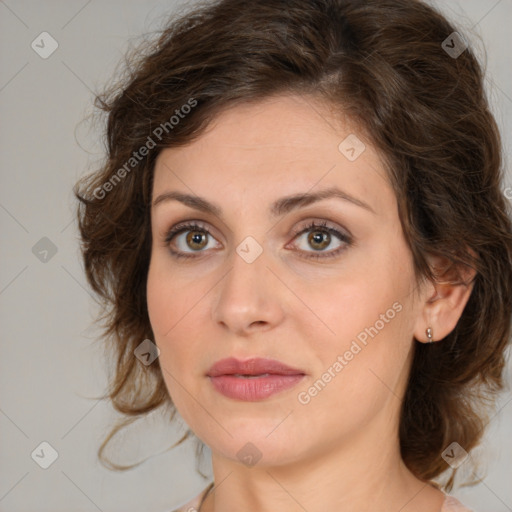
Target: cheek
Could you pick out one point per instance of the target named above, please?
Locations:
(165, 309)
(167, 315)
(363, 315)
(175, 302)
(360, 368)
(171, 297)
(157, 298)
(341, 307)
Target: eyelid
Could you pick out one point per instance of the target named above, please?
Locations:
(303, 225)
(187, 225)
(320, 223)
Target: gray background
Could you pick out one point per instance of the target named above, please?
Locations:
(50, 364)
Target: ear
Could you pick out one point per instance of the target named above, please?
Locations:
(442, 301)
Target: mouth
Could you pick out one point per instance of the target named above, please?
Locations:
(251, 367)
(253, 379)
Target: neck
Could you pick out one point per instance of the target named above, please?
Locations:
(353, 478)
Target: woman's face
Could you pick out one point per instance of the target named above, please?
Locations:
(258, 282)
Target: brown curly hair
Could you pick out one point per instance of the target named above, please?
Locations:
(385, 64)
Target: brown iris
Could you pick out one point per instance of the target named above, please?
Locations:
(193, 237)
(315, 238)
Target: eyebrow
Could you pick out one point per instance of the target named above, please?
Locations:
(280, 207)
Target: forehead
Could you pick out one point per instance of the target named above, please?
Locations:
(281, 145)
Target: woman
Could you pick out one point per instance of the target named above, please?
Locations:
(302, 245)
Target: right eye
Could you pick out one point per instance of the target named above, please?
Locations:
(194, 241)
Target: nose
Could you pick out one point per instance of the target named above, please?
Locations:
(249, 298)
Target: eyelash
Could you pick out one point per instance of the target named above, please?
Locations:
(322, 226)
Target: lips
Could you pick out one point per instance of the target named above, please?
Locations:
(254, 379)
(251, 367)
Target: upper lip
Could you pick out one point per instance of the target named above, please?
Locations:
(254, 366)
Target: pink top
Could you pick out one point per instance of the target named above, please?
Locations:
(451, 504)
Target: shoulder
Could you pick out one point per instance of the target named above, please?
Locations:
(452, 504)
(193, 504)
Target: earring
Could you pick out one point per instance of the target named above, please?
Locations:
(429, 334)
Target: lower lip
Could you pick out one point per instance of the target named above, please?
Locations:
(252, 389)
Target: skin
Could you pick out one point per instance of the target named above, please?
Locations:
(339, 451)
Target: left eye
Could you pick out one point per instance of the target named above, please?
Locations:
(319, 236)
(319, 239)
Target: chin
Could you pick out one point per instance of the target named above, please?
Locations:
(258, 444)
